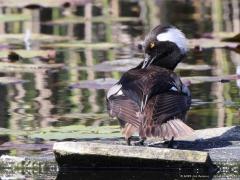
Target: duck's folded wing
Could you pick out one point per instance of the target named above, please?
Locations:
(164, 114)
(167, 105)
(140, 84)
(125, 109)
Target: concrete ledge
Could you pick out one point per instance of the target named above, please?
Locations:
(107, 150)
(220, 146)
(103, 156)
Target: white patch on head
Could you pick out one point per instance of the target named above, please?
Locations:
(116, 89)
(176, 36)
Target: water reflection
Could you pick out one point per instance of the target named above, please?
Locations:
(42, 101)
(166, 173)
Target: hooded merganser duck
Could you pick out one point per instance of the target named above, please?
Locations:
(150, 99)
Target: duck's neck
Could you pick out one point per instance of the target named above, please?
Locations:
(168, 59)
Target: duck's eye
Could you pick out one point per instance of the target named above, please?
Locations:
(152, 45)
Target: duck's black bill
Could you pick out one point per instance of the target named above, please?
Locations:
(147, 61)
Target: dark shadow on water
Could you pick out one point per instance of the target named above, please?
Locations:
(135, 174)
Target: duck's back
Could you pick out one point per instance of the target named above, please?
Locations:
(147, 99)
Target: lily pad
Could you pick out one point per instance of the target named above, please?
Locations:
(25, 147)
(106, 83)
(19, 38)
(14, 17)
(5, 131)
(77, 132)
(117, 65)
(235, 38)
(81, 44)
(236, 50)
(67, 132)
(195, 67)
(218, 35)
(11, 80)
(224, 36)
(17, 67)
(84, 116)
(123, 65)
(29, 53)
(211, 43)
(77, 19)
(42, 3)
(102, 83)
(202, 79)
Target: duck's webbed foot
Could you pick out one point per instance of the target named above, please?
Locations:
(161, 144)
(136, 143)
(170, 143)
(140, 142)
(129, 141)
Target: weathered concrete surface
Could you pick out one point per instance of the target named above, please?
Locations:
(220, 146)
(89, 148)
(105, 156)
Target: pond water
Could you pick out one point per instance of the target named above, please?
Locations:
(48, 107)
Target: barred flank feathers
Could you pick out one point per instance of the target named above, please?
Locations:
(124, 109)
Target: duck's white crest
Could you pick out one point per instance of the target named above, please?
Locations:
(116, 89)
(176, 36)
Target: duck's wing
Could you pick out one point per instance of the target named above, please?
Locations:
(167, 105)
(141, 84)
(164, 114)
(125, 109)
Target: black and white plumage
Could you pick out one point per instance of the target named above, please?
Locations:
(165, 46)
(150, 99)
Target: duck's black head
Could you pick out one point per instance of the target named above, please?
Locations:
(164, 46)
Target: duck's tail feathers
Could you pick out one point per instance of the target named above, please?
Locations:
(173, 129)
